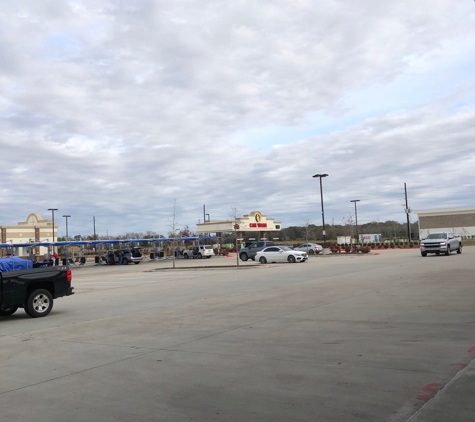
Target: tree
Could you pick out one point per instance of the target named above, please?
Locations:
(237, 221)
(172, 223)
(348, 226)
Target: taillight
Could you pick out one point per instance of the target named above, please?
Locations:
(69, 275)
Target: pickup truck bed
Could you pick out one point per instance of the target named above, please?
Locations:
(34, 289)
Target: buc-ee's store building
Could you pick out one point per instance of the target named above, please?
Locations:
(254, 222)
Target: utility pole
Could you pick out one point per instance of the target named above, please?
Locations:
(407, 214)
(94, 223)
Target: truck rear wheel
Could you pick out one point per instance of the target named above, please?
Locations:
(459, 250)
(8, 311)
(39, 303)
(243, 257)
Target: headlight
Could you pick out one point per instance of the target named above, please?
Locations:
(442, 243)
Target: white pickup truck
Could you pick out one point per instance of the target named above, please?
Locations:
(443, 242)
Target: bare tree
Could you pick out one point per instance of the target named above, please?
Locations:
(348, 224)
(173, 224)
(237, 221)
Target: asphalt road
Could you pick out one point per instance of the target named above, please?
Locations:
(386, 337)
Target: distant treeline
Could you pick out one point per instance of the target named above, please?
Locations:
(389, 230)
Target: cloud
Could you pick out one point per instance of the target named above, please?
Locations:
(116, 109)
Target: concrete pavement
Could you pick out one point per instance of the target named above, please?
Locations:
(370, 338)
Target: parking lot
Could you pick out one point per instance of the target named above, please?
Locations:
(386, 337)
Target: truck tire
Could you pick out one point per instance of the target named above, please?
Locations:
(200, 256)
(39, 303)
(447, 252)
(8, 311)
(424, 253)
(243, 257)
(459, 250)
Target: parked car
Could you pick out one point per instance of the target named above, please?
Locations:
(310, 248)
(200, 251)
(280, 254)
(249, 252)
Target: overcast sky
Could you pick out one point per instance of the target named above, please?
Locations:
(115, 109)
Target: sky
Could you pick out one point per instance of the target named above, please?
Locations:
(138, 112)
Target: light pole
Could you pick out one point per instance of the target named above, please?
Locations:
(66, 216)
(323, 213)
(356, 216)
(52, 213)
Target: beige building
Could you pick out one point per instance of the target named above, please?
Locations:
(34, 229)
(252, 222)
(460, 221)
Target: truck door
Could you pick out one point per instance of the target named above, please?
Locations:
(7, 291)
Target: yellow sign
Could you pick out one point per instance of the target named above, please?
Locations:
(258, 217)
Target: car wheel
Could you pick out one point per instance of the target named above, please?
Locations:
(425, 253)
(459, 250)
(243, 257)
(291, 259)
(185, 255)
(8, 311)
(200, 256)
(263, 260)
(39, 303)
(447, 252)
(311, 251)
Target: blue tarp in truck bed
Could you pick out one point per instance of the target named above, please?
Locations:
(14, 263)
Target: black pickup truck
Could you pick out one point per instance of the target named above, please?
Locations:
(33, 289)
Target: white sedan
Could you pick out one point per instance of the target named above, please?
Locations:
(280, 254)
(310, 248)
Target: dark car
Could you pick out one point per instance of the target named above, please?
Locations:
(250, 251)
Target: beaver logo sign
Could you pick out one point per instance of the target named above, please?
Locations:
(258, 217)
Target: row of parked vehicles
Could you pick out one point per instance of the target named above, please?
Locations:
(268, 251)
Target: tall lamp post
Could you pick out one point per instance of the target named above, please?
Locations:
(356, 216)
(52, 213)
(66, 216)
(323, 213)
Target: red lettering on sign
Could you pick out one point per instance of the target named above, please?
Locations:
(261, 224)
(252, 225)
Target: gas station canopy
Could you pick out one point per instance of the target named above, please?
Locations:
(253, 222)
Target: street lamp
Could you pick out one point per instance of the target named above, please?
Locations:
(66, 216)
(323, 214)
(356, 216)
(52, 213)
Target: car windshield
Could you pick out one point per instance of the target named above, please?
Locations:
(208, 247)
(437, 236)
